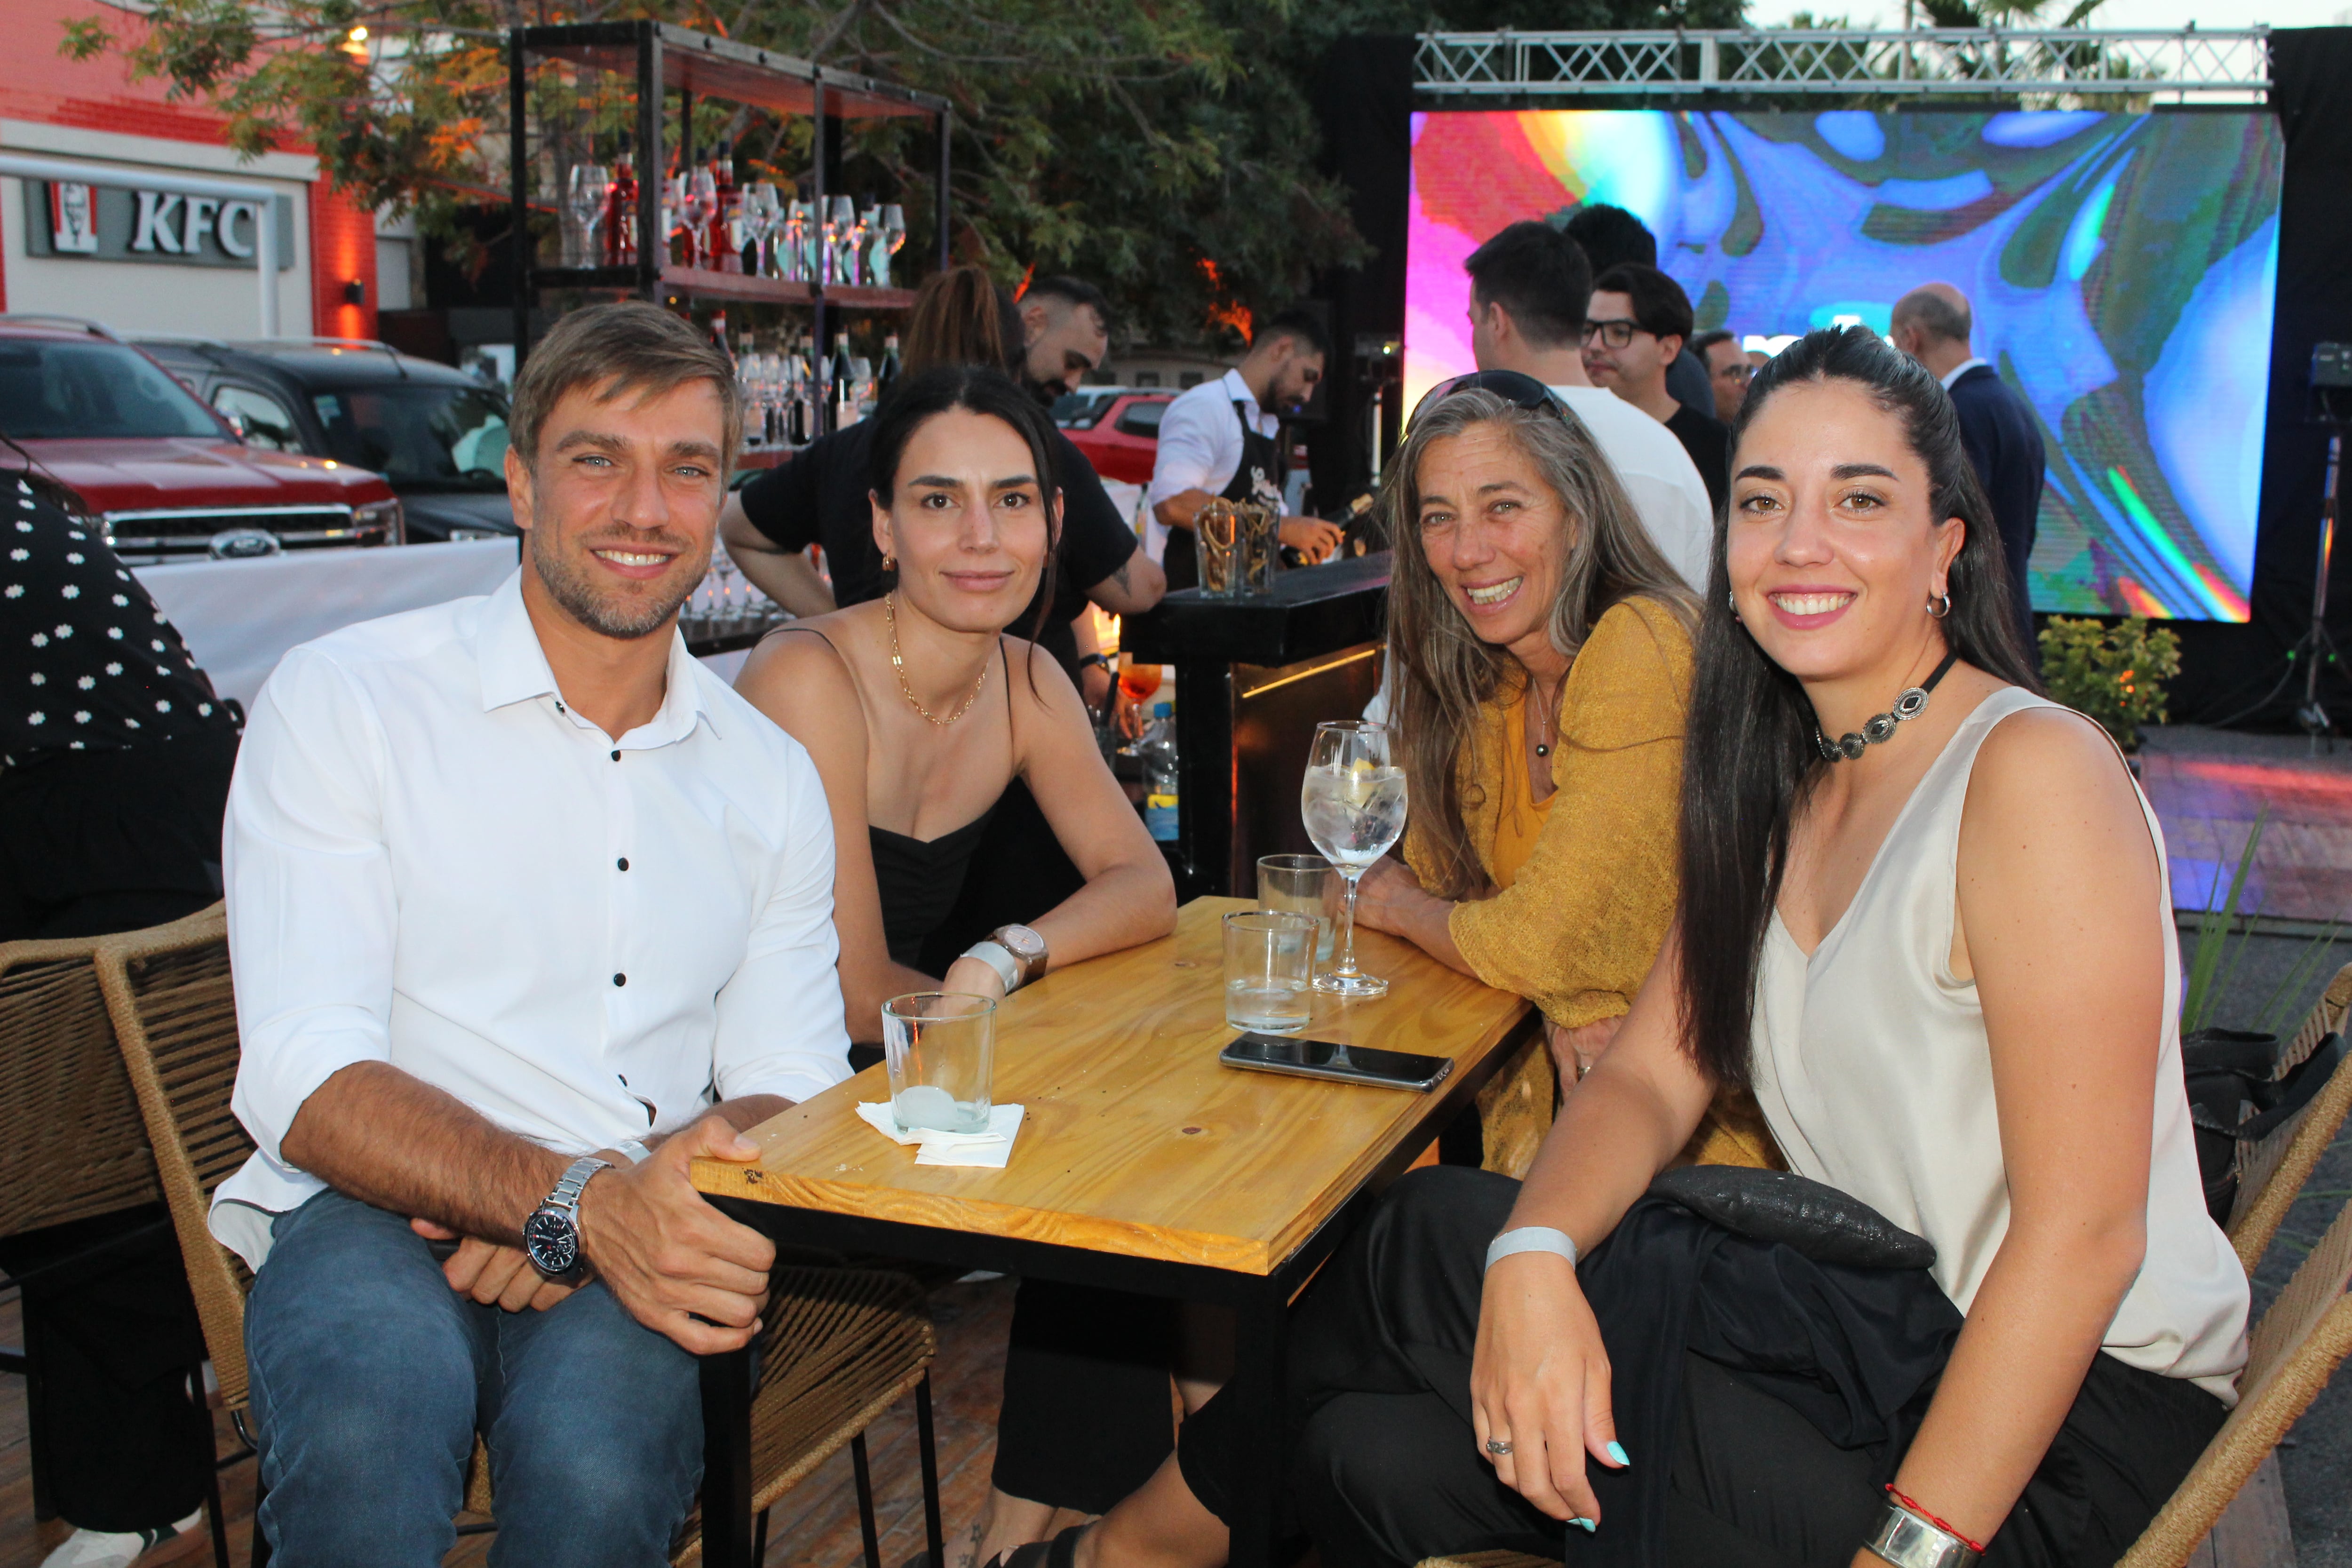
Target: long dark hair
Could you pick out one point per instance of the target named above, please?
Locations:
(1749, 758)
(957, 319)
(919, 398)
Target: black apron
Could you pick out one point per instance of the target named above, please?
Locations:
(1259, 476)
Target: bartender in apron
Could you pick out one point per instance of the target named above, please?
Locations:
(1220, 440)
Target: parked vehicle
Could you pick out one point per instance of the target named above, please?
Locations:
(161, 473)
(1117, 427)
(438, 435)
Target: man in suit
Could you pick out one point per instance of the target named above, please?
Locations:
(1932, 324)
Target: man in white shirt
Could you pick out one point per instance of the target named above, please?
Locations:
(516, 891)
(1219, 440)
(1529, 286)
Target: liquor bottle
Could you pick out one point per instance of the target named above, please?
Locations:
(725, 245)
(889, 375)
(842, 383)
(621, 211)
(797, 423)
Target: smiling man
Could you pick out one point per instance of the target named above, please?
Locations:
(528, 910)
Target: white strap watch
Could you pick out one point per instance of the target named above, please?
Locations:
(997, 956)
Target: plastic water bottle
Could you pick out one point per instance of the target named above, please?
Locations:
(1159, 749)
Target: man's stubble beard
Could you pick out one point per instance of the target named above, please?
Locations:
(566, 583)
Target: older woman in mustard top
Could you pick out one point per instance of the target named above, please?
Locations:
(1542, 649)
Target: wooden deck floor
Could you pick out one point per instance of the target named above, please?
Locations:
(815, 1525)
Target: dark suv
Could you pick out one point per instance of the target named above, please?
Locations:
(436, 434)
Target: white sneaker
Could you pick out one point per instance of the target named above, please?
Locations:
(114, 1549)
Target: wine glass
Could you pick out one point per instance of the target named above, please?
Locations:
(868, 220)
(892, 235)
(724, 564)
(672, 209)
(759, 220)
(701, 206)
(591, 186)
(791, 257)
(840, 263)
(1353, 801)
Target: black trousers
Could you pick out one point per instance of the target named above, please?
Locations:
(111, 1336)
(100, 841)
(1088, 1411)
(1386, 1469)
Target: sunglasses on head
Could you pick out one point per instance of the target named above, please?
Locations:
(1518, 390)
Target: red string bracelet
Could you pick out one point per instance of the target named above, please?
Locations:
(1914, 1507)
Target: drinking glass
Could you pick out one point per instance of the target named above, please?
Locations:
(893, 235)
(840, 257)
(940, 1048)
(1216, 535)
(791, 257)
(584, 204)
(1303, 885)
(1353, 801)
(869, 219)
(673, 206)
(701, 206)
(1270, 963)
(761, 212)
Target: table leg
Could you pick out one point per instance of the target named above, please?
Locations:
(727, 1459)
(1260, 1329)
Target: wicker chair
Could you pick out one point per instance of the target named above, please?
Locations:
(2273, 1172)
(842, 1345)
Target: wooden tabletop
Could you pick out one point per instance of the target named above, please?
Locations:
(1137, 1141)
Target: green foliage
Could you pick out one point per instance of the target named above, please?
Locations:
(2114, 674)
(1164, 150)
(2223, 938)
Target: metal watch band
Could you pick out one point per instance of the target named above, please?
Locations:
(637, 1153)
(999, 957)
(1906, 1540)
(1531, 1239)
(566, 1196)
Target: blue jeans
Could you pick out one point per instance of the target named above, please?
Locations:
(371, 1377)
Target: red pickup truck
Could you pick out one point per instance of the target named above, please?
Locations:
(162, 474)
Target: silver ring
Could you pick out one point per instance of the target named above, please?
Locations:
(1497, 1446)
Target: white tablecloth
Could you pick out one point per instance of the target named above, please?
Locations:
(240, 617)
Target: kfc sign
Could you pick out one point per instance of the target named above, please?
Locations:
(105, 222)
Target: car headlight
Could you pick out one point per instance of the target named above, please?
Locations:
(383, 514)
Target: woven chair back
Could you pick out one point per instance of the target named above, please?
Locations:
(2273, 1172)
(76, 1147)
(174, 1013)
(2295, 1350)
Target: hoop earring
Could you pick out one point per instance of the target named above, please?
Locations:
(1732, 599)
(1938, 615)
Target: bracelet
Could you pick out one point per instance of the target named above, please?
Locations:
(1086, 659)
(1531, 1239)
(637, 1153)
(1915, 1510)
(1908, 1538)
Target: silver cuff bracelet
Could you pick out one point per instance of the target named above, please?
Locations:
(1906, 1540)
(1531, 1239)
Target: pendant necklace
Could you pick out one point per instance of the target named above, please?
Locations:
(899, 667)
(1543, 746)
(1908, 706)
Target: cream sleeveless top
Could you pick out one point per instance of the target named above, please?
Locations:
(1872, 1069)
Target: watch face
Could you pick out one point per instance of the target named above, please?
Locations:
(552, 1241)
(1021, 941)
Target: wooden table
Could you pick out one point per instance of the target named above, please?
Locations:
(1142, 1164)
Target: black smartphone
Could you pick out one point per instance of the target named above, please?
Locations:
(1348, 1064)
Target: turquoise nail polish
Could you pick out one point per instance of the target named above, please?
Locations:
(1585, 1525)
(1617, 1452)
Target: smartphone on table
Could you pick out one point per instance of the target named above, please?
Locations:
(1343, 1064)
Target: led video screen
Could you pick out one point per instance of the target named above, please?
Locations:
(2122, 268)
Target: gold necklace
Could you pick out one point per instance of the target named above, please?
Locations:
(899, 667)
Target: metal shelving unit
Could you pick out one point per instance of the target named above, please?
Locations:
(660, 60)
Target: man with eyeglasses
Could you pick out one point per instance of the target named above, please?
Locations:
(1223, 439)
(1727, 370)
(1640, 319)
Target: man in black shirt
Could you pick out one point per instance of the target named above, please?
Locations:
(114, 766)
(1637, 324)
(1064, 332)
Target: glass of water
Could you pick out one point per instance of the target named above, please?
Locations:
(1307, 885)
(1269, 965)
(940, 1047)
(1353, 801)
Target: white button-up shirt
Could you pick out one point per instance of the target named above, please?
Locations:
(432, 861)
(1201, 446)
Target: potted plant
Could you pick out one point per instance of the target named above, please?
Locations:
(2115, 673)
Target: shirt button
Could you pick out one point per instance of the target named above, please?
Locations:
(616, 756)
(619, 980)
(625, 862)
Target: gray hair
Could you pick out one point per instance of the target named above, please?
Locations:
(1444, 673)
(1936, 315)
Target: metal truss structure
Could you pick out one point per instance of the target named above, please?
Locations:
(2067, 64)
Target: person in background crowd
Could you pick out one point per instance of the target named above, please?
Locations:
(923, 731)
(1530, 288)
(1932, 324)
(113, 780)
(820, 496)
(1883, 945)
(1543, 655)
(1064, 330)
(1612, 236)
(1727, 370)
(1223, 439)
(1639, 322)
(518, 889)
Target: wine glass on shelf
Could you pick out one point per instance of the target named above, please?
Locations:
(760, 210)
(840, 261)
(701, 206)
(1353, 801)
(868, 220)
(724, 566)
(791, 257)
(672, 213)
(585, 200)
(891, 235)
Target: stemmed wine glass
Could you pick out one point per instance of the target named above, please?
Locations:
(761, 212)
(701, 206)
(792, 261)
(890, 234)
(673, 207)
(724, 564)
(841, 255)
(869, 219)
(1353, 801)
(591, 183)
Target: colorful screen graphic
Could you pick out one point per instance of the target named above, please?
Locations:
(2122, 268)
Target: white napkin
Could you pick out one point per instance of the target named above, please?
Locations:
(987, 1149)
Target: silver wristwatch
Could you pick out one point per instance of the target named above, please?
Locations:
(551, 1236)
(1906, 1540)
(1016, 952)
